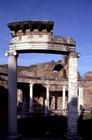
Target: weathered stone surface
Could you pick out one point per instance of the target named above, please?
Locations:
(88, 76)
(45, 71)
(59, 103)
(52, 103)
(72, 94)
(32, 25)
(87, 94)
(36, 36)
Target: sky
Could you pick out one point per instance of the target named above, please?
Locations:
(72, 18)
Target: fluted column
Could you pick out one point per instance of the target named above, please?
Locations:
(72, 97)
(80, 98)
(47, 100)
(12, 94)
(31, 97)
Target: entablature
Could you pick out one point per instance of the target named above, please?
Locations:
(36, 36)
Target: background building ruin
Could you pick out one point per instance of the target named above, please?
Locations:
(56, 74)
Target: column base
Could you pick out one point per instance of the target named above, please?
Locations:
(72, 137)
(14, 137)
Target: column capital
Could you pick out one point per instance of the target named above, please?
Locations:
(31, 84)
(80, 86)
(74, 55)
(47, 82)
(64, 86)
(11, 53)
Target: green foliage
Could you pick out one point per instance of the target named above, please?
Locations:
(87, 116)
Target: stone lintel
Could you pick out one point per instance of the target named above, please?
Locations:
(44, 43)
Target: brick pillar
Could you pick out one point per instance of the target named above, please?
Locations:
(72, 97)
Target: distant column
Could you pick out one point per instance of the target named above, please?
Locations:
(52, 105)
(24, 105)
(12, 94)
(31, 97)
(19, 101)
(19, 96)
(63, 102)
(72, 97)
(47, 100)
(80, 98)
(59, 103)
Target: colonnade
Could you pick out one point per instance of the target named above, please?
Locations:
(47, 105)
(72, 95)
(47, 100)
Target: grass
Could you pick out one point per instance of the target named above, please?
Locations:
(87, 116)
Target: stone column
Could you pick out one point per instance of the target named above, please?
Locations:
(59, 103)
(12, 95)
(72, 97)
(19, 101)
(47, 100)
(63, 100)
(19, 96)
(80, 98)
(24, 106)
(31, 98)
(52, 105)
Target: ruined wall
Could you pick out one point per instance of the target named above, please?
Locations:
(48, 71)
(45, 70)
(87, 88)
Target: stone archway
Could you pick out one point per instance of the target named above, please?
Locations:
(36, 36)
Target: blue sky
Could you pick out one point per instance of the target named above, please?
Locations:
(71, 18)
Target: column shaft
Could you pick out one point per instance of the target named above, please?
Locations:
(47, 100)
(72, 95)
(19, 96)
(24, 105)
(59, 103)
(63, 102)
(31, 97)
(12, 95)
(80, 98)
